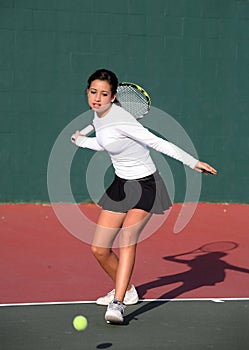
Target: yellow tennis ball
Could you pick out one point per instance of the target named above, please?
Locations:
(80, 323)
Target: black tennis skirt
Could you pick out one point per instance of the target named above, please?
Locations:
(148, 193)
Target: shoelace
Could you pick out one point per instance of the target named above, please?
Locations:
(116, 305)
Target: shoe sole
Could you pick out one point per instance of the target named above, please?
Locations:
(113, 319)
(105, 304)
(132, 302)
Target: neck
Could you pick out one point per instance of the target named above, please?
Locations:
(104, 110)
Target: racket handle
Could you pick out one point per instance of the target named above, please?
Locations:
(86, 131)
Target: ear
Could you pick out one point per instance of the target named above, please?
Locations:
(113, 98)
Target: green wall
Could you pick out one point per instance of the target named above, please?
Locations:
(191, 55)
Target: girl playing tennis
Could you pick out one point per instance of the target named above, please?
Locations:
(136, 193)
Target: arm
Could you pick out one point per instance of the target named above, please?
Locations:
(137, 132)
(86, 142)
(237, 268)
(174, 259)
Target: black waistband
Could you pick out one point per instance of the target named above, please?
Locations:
(153, 176)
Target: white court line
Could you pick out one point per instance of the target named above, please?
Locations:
(216, 300)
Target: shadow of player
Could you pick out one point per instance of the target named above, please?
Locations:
(204, 270)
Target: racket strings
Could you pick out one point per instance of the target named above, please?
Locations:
(133, 100)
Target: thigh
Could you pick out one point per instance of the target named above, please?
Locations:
(108, 226)
(136, 218)
(133, 224)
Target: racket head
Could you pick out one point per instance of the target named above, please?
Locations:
(218, 247)
(134, 99)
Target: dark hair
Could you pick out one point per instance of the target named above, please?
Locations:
(107, 75)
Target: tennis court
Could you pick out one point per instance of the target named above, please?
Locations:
(192, 58)
(201, 302)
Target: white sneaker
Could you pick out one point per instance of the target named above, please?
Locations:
(115, 312)
(131, 297)
(107, 299)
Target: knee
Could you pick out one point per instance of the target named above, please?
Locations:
(100, 253)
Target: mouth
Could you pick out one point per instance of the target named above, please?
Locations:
(100, 108)
(96, 105)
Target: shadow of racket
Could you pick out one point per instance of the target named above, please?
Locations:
(213, 247)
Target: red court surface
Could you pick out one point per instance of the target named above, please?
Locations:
(42, 262)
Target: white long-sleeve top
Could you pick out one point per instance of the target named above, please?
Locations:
(127, 142)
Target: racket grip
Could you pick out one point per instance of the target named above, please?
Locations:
(86, 131)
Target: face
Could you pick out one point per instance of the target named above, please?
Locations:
(100, 96)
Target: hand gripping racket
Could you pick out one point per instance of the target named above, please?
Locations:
(133, 98)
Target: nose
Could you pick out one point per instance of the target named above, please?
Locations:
(97, 97)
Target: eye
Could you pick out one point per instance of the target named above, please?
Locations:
(92, 92)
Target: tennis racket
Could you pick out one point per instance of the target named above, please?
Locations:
(133, 98)
(213, 247)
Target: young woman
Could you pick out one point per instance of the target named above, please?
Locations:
(136, 193)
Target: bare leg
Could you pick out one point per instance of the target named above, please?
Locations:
(134, 222)
(108, 226)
